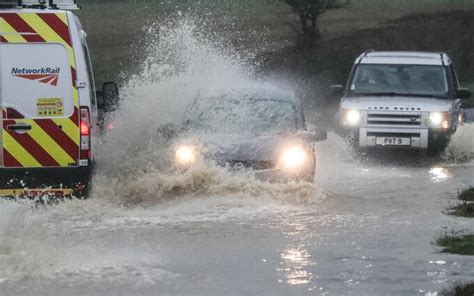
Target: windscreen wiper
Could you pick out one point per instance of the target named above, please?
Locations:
(427, 96)
(388, 94)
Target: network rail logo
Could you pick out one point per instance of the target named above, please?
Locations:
(49, 76)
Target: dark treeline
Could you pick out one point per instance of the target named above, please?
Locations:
(117, 37)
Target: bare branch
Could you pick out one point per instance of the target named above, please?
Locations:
(308, 12)
(291, 25)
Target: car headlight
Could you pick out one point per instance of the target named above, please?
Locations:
(439, 120)
(351, 117)
(293, 158)
(186, 155)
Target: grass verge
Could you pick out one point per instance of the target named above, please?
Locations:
(467, 195)
(460, 290)
(463, 205)
(463, 209)
(461, 245)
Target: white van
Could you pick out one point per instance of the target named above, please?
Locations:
(48, 100)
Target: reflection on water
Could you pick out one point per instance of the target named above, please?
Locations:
(439, 174)
(294, 265)
(296, 260)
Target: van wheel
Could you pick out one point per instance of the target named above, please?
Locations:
(82, 191)
(82, 195)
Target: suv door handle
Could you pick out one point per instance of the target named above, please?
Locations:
(19, 127)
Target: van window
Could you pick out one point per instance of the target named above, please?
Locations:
(90, 75)
(37, 79)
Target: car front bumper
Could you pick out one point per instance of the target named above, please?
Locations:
(270, 173)
(276, 175)
(413, 138)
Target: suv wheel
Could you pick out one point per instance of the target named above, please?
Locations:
(436, 147)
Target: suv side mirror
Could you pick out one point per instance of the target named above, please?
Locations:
(108, 97)
(336, 91)
(463, 93)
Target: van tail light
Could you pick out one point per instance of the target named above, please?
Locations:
(85, 127)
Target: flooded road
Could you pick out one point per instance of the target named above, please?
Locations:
(365, 228)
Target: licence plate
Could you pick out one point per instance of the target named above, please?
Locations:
(392, 141)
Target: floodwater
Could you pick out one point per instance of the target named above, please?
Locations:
(366, 227)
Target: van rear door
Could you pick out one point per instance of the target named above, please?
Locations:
(1, 109)
(40, 127)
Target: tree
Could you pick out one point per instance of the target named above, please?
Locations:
(308, 12)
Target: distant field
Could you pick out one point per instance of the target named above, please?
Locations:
(115, 26)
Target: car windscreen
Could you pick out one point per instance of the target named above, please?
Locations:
(419, 80)
(252, 115)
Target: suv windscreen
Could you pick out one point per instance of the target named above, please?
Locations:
(418, 80)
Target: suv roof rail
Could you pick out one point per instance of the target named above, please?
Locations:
(446, 60)
(40, 4)
(364, 54)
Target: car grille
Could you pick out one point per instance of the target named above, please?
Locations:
(398, 135)
(377, 119)
(255, 165)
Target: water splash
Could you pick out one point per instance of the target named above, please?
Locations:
(182, 62)
(131, 188)
(461, 146)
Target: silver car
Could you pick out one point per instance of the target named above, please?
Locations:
(401, 100)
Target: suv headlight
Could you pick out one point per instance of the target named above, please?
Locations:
(351, 117)
(438, 120)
